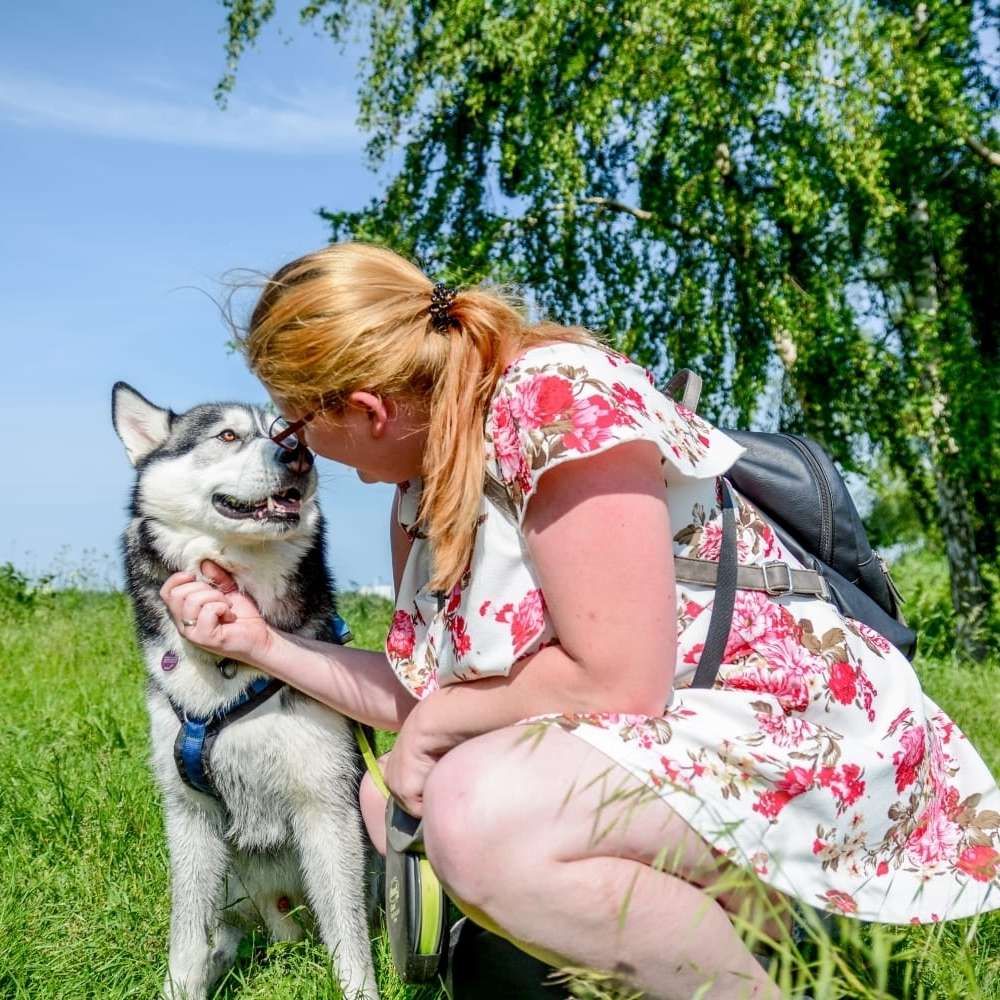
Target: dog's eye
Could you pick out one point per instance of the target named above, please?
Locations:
(228, 436)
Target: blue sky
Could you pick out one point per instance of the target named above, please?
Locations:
(125, 196)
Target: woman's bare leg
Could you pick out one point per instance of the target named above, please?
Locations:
(372, 803)
(557, 848)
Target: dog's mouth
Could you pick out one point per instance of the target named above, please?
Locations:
(284, 506)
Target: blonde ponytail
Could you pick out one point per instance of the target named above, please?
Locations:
(357, 316)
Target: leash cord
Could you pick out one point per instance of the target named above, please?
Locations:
(371, 762)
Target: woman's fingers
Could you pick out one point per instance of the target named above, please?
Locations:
(173, 582)
(203, 630)
(194, 601)
(178, 593)
(185, 596)
(222, 619)
(403, 790)
(217, 576)
(210, 616)
(181, 592)
(412, 803)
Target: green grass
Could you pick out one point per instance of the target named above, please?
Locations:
(84, 904)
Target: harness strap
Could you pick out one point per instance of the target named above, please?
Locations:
(189, 756)
(197, 736)
(342, 633)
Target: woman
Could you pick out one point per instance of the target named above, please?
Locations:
(536, 598)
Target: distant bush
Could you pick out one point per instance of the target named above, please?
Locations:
(922, 576)
(86, 569)
(892, 519)
(19, 595)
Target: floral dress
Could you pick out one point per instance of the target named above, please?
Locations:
(815, 759)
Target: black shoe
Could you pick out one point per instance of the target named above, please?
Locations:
(485, 966)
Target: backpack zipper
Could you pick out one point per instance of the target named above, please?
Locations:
(825, 499)
(893, 589)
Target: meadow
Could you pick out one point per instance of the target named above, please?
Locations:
(84, 901)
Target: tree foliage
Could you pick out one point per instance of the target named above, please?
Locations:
(801, 195)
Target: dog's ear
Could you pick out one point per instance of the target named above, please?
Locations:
(141, 425)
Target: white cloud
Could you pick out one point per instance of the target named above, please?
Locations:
(305, 122)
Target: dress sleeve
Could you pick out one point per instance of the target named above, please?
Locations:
(545, 414)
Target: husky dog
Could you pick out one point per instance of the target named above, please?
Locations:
(279, 826)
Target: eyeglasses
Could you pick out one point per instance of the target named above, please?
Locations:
(285, 434)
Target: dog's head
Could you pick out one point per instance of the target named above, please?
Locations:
(214, 469)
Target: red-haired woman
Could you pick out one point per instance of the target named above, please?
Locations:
(579, 797)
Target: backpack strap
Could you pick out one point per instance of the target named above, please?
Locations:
(721, 620)
(776, 578)
(684, 387)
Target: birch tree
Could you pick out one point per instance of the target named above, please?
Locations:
(800, 200)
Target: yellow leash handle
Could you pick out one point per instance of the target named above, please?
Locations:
(431, 910)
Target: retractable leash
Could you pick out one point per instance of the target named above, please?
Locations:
(415, 904)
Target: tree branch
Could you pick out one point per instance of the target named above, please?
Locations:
(614, 205)
(619, 206)
(991, 157)
(688, 232)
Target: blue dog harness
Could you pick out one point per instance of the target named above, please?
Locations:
(197, 735)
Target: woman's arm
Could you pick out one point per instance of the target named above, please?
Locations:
(598, 532)
(357, 682)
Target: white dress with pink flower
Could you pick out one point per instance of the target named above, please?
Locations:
(816, 759)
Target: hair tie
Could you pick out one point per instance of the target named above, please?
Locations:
(442, 297)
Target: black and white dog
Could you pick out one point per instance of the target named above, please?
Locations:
(259, 782)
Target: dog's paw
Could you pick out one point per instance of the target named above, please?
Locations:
(187, 987)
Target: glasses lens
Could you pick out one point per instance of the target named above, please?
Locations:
(280, 433)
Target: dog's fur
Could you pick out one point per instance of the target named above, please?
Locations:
(288, 824)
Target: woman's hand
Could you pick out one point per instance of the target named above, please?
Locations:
(225, 621)
(414, 753)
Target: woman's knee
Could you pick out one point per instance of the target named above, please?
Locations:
(470, 828)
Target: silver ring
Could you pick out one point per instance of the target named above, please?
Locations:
(188, 624)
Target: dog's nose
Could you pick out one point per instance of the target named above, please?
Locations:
(299, 461)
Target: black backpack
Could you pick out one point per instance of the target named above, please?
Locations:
(796, 488)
